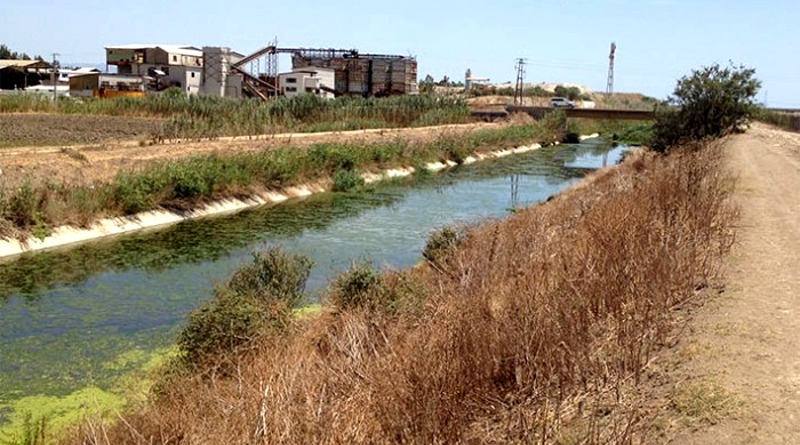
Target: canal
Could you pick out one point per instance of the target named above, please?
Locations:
(88, 315)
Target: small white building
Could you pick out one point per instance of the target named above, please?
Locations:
(65, 74)
(308, 80)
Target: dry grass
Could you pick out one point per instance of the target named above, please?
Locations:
(527, 333)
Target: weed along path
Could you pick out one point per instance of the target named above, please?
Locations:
(746, 344)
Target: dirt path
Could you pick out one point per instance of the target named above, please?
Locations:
(747, 342)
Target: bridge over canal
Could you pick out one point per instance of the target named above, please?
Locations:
(586, 113)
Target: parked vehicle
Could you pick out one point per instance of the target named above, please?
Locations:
(561, 102)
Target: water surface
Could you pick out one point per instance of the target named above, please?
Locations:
(85, 316)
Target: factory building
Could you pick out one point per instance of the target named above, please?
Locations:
(221, 72)
(310, 80)
(169, 65)
(362, 74)
(219, 78)
(21, 74)
(106, 85)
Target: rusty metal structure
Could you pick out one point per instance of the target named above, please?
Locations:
(355, 73)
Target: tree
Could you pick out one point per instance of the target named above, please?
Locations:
(426, 85)
(710, 103)
(6, 53)
(571, 93)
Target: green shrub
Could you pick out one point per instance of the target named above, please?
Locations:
(135, 192)
(24, 207)
(552, 127)
(273, 275)
(256, 301)
(346, 180)
(332, 157)
(359, 287)
(441, 244)
(709, 103)
(453, 149)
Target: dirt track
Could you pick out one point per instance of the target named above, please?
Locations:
(748, 340)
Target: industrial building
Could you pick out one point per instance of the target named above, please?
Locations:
(21, 74)
(362, 74)
(169, 65)
(354, 73)
(221, 72)
(311, 80)
(219, 79)
(106, 85)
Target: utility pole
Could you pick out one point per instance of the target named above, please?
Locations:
(610, 84)
(55, 76)
(520, 83)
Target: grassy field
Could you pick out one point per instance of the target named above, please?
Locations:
(518, 331)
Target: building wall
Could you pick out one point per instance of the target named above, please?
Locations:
(303, 82)
(218, 78)
(84, 86)
(124, 56)
(187, 78)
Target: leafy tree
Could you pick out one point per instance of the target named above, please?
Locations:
(711, 102)
(426, 85)
(571, 93)
(6, 53)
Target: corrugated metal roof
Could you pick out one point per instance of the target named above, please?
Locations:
(186, 50)
(21, 63)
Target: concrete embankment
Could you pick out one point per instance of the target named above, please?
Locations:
(67, 235)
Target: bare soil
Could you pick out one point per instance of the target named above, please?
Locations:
(88, 164)
(21, 129)
(742, 353)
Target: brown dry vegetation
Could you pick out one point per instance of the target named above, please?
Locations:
(528, 331)
(38, 129)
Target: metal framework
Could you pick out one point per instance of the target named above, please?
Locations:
(610, 84)
(264, 84)
(519, 86)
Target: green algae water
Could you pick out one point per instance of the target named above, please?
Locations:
(75, 323)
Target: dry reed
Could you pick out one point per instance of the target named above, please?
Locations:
(528, 326)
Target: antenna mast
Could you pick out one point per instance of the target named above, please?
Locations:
(610, 85)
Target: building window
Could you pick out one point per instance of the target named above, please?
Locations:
(291, 80)
(192, 74)
(174, 58)
(309, 90)
(291, 89)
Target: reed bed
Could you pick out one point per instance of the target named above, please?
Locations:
(208, 117)
(523, 330)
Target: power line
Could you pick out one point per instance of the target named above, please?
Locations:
(520, 83)
(55, 76)
(610, 84)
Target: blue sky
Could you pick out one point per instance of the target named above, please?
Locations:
(564, 40)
